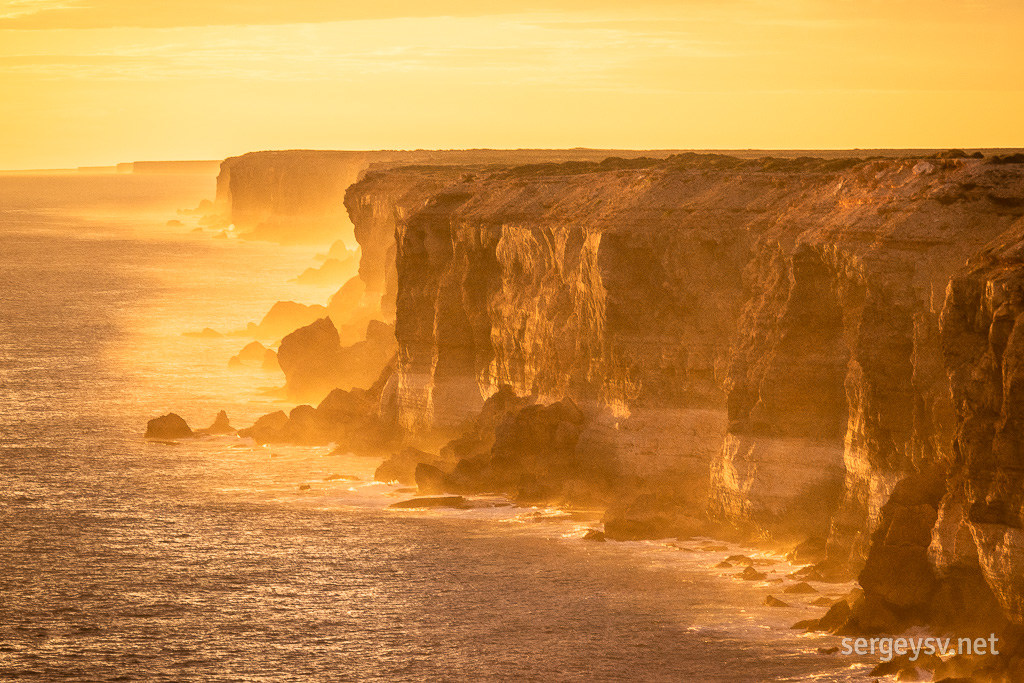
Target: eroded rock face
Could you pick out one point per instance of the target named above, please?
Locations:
(982, 513)
(782, 343)
(349, 419)
(297, 196)
(289, 197)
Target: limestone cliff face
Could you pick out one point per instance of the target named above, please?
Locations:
(781, 341)
(377, 204)
(289, 197)
(981, 516)
(297, 196)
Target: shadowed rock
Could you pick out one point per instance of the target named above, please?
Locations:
(333, 271)
(310, 358)
(285, 317)
(270, 362)
(314, 361)
(170, 426)
(350, 419)
(252, 352)
(266, 428)
(221, 425)
(401, 467)
(751, 574)
(457, 502)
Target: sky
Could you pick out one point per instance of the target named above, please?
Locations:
(97, 82)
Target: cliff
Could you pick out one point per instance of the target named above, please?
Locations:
(288, 197)
(795, 347)
(297, 196)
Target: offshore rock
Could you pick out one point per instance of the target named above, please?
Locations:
(169, 426)
(354, 420)
(221, 425)
(457, 502)
(266, 428)
(285, 317)
(252, 352)
(311, 358)
(401, 467)
(314, 361)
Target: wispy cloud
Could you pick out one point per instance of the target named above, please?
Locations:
(511, 49)
(16, 9)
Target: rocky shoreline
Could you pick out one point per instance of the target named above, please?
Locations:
(811, 353)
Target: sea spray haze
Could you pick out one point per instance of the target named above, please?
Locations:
(131, 560)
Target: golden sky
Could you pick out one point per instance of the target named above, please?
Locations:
(90, 82)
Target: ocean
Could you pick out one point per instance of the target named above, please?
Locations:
(123, 560)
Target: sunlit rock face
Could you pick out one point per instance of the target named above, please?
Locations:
(377, 204)
(982, 340)
(297, 196)
(793, 348)
(763, 337)
(289, 197)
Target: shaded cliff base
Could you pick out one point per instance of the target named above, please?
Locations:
(526, 451)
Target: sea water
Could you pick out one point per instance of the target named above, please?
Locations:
(122, 560)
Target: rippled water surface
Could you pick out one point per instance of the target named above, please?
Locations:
(123, 560)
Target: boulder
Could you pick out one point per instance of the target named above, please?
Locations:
(801, 588)
(429, 479)
(310, 358)
(751, 574)
(457, 502)
(835, 618)
(252, 352)
(267, 428)
(809, 552)
(169, 426)
(221, 425)
(772, 601)
(401, 467)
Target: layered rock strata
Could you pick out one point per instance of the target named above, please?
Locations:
(793, 348)
(785, 343)
(297, 196)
